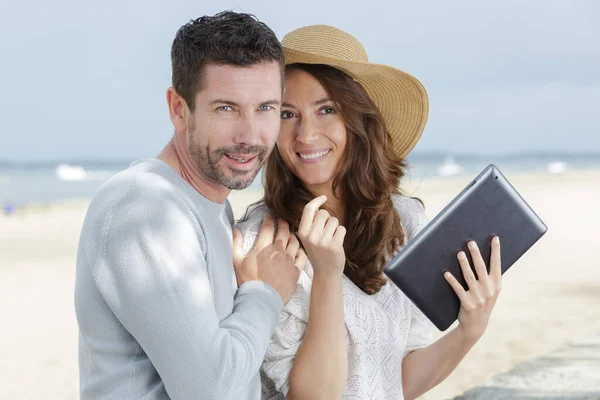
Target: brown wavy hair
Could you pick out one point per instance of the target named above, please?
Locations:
(370, 172)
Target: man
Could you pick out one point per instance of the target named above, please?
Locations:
(159, 309)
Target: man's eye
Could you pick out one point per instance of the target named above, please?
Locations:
(224, 108)
(287, 115)
(327, 110)
(266, 108)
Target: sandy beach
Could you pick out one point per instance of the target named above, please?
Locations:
(549, 298)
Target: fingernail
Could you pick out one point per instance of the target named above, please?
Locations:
(446, 275)
(461, 254)
(472, 245)
(497, 240)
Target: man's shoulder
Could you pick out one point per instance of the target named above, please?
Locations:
(144, 180)
(146, 177)
(144, 191)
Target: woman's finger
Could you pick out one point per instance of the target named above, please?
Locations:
(496, 261)
(467, 272)
(457, 287)
(480, 268)
(330, 227)
(339, 235)
(308, 214)
(319, 224)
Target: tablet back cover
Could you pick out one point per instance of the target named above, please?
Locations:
(487, 207)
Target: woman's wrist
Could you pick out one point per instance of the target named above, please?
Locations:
(467, 337)
(328, 274)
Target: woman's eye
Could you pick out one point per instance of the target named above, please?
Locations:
(286, 115)
(266, 108)
(224, 108)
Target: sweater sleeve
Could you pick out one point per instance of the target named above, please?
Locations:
(151, 270)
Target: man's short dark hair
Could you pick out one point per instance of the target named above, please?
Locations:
(227, 38)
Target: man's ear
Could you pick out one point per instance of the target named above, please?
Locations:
(178, 110)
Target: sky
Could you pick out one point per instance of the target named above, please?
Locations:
(88, 81)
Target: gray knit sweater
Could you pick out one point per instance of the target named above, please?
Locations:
(159, 311)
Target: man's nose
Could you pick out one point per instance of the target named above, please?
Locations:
(247, 131)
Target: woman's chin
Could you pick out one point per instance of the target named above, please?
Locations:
(314, 181)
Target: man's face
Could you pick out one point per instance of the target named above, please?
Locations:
(235, 122)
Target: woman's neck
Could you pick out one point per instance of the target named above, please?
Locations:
(334, 203)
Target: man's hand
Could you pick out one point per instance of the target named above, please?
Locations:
(275, 259)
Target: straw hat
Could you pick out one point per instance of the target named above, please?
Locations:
(400, 97)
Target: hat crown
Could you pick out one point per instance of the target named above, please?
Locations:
(327, 41)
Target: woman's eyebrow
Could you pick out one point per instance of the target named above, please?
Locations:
(321, 101)
(316, 103)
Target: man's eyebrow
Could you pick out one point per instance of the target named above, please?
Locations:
(233, 103)
(221, 101)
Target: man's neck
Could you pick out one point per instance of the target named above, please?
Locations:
(211, 190)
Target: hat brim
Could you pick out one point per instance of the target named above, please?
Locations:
(399, 96)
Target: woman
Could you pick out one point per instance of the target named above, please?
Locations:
(333, 176)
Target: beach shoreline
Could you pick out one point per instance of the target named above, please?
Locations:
(410, 185)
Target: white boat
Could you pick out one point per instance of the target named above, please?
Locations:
(449, 168)
(557, 167)
(66, 172)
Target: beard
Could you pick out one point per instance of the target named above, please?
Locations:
(207, 162)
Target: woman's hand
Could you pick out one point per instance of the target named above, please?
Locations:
(322, 237)
(320, 368)
(476, 304)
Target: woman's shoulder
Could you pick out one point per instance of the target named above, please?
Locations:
(255, 212)
(412, 214)
(250, 224)
(407, 206)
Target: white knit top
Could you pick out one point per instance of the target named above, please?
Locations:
(380, 329)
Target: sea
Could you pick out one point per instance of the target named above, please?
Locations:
(48, 182)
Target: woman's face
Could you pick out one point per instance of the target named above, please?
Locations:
(313, 136)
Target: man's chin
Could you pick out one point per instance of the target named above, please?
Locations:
(237, 185)
(241, 181)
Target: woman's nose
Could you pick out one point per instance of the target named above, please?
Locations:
(307, 131)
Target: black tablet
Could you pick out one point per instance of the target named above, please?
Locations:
(487, 207)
